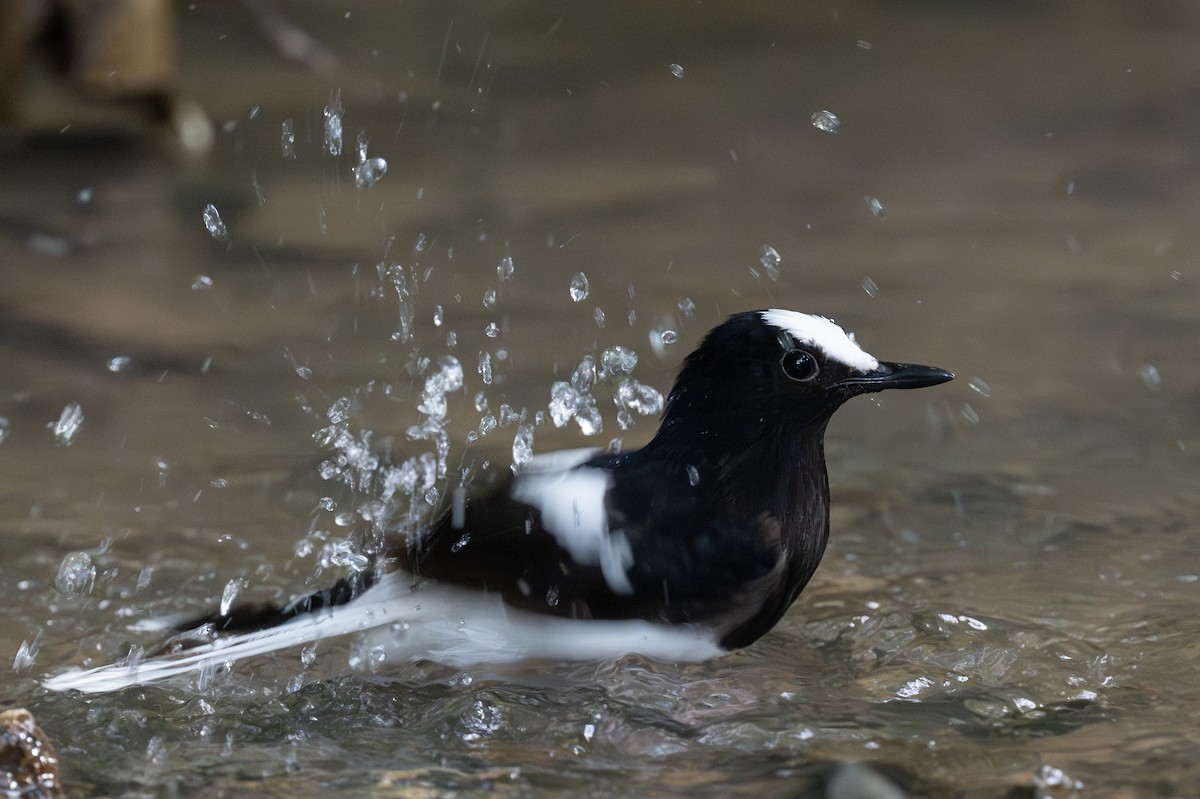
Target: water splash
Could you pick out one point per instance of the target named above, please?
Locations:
(579, 287)
(505, 269)
(287, 138)
(66, 428)
(826, 121)
(333, 124)
(213, 224)
(522, 448)
(76, 575)
(770, 260)
(229, 595)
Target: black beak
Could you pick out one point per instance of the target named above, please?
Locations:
(895, 375)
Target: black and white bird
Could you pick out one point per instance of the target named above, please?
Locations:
(693, 546)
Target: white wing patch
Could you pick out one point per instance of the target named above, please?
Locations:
(824, 334)
(572, 506)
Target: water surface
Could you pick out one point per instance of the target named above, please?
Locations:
(1012, 579)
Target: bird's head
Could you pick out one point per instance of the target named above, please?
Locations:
(784, 365)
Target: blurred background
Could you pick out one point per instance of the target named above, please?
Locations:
(1006, 190)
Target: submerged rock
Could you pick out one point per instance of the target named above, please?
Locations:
(28, 762)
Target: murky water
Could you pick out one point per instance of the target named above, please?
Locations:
(1011, 193)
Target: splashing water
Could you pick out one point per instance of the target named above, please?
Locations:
(579, 287)
(369, 172)
(68, 424)
(232, 589)
(826, 121)
(213, 224)
(505, 269)
(76, 575)
(333, 124)
(770, 260)
(618, 360)
(485, 367)
(638, 397)
(522, 448)
(287, 138)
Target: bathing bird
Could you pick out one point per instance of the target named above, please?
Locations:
(688, 548)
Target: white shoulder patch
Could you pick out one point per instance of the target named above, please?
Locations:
(822, 333)
(571, 502)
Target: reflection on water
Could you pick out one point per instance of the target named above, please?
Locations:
(1009, 192)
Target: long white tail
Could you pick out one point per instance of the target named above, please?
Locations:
(454, 626)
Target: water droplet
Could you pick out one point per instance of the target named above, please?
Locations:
(770, 260)
(460, 543)
(505, 268)
(869, 286)
(202, 283)
(668, 336)
(489, 299)
(826, 121)
(68, 424)
(693, 475)
(970, 414)
(119, 364)
(522, 448)
(76, 575)
(259, 194)
(26, 655)
(84, 196)
(5, 427)
(439, 316)
(677, 70)
(579, 287)
(686, 306)
(369, 172)
(552, 596)
(485, 367)
(638, 397)
(584, 376)
(980, 387)
(308, 654)
(874, 206)
(487, 424)
(339, 411)
(343, 553)
(618, 360)
(598, 315)
(287, 138)
(589, 420)
(333, 125)
(229, 595)
(492, 330)
(213, 224)
(1150, 375)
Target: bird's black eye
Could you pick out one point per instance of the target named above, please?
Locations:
(800, 365)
